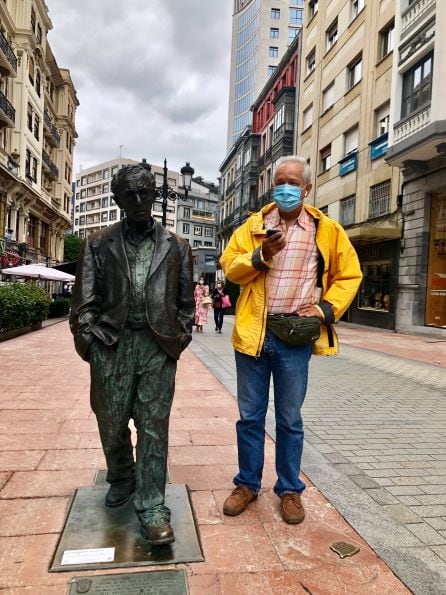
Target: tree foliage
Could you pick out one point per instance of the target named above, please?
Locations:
(72, 247)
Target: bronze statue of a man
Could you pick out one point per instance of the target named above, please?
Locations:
(131, 318)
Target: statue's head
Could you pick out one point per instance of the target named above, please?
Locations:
(134, 191)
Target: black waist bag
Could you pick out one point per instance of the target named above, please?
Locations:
(294, 330)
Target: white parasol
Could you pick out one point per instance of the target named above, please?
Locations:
(38, 271)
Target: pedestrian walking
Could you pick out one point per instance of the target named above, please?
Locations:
(298, 274)
(202, 304)
(218, 304)
(131, 318)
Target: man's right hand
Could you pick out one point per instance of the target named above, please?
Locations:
(273, 244)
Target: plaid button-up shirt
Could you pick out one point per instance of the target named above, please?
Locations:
(292, 279)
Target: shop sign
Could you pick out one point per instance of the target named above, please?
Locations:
(348, 164)
(378, 147)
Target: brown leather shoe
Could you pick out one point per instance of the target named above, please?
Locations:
(239, 499)
(291, 508)
(158, 533)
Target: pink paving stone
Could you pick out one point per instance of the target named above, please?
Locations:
(45, 415)
(204, 438)
(203, 455)
(214, 477)
(4, 477)
(30, 517)
(40, 404)
(234, 549)
(38, 441)
(179, 438)
(275, 582)
(74, 426)
(72, 459)
(21, 460)
(189, 399)
(41, 484)
(206, 509)
(89, 440)
(24, 561)
(226, 412)
(197, 423)
(28, 427)
(207, 584)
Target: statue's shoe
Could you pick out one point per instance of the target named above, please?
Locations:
(119, 493)
(158, 532)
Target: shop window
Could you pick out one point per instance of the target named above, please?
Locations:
(436, 278)
(374, 293)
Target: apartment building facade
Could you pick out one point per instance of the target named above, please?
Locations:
(343, 117)
(37, 136)
(193, 218)
(417, 145)
(247, 172)
(262, 30)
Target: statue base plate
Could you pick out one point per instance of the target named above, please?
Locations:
(92, 530)
(155, 582)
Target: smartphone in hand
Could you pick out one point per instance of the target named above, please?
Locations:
(271, 232)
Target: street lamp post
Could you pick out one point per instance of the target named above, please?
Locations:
(165, 192)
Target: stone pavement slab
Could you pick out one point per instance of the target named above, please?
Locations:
(251, 552)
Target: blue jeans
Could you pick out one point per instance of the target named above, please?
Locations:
(218, 317)
(289, 368)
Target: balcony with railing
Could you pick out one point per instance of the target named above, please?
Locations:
(7, 112)
(8, 60)
(50, 130)
(414, 13)
(49, 166)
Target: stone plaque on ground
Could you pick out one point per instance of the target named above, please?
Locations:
(97, 537)
(157, 582)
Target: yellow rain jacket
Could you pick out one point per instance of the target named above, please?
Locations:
(339, 278)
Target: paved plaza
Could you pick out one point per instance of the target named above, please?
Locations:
(374, 433)
(375, 419)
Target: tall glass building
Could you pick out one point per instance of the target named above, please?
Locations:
(261, 33)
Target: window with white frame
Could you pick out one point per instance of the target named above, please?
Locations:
(275, 14)
(308, 117)
(354, 72)
(311, 61)
(274, 33)
(386, 40)
(186, 212)
(296, 16)
(186, 228)
(417, 86)
(208, 232)
(273, 51)
(356, 7)
(325, 158)
(328, 97)
(279, 118)
(382, 118)
(332, 34)
(292, 32)
(271, 70)
(198, 230)
(351, 140)
(347, 210)
(313, 7)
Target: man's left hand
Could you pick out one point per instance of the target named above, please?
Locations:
(310, 310)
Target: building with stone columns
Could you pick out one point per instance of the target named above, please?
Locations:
(37, 136)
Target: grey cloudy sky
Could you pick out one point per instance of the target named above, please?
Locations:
(151, 75)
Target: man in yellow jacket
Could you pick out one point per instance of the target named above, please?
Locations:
(289, 259)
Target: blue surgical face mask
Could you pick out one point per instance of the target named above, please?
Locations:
(287, 197)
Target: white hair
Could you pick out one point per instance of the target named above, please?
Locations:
(296, 159)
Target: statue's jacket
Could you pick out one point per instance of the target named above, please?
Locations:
(101, 294)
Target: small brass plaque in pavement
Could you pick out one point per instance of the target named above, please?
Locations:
(344, 549)
(158, 582)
